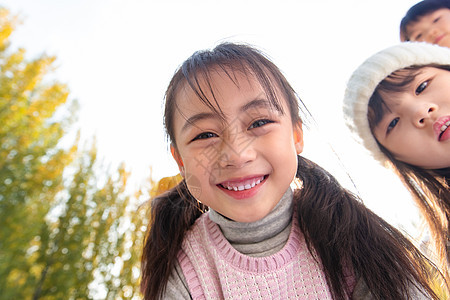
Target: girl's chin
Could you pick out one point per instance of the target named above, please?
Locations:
(246, 215)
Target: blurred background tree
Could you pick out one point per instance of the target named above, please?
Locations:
(69, 229)
(31, 164)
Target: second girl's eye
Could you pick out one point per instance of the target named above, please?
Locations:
(437, 19)
(421, 87)
(392, 124)
(260, 123)
(205, 135)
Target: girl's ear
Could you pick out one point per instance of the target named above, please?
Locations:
(178, 159)
(298, 137)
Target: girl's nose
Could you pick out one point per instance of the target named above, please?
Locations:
(422, 114)
(237, 151)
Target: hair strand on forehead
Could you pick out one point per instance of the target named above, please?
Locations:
(195, 73)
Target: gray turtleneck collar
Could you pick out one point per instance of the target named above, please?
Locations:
(263, 237)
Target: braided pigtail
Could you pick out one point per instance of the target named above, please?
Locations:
(347, 236)
(172, 214)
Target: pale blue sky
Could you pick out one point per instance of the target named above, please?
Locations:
(117, 57)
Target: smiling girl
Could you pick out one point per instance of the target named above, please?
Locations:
(398, 104)
(427, 21)
(234, 228)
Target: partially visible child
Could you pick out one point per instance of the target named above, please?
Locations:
(427, 21)
(398, 105)
(234, 228)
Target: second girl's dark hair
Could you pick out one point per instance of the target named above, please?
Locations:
(345, 235)
(429, 188)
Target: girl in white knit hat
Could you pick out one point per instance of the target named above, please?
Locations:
(398, 105)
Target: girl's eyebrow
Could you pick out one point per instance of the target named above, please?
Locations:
(197, 117)
(257, 103)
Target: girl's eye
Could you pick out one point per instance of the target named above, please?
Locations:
(421, 87)
(437, 19)
(418, 37)
(392, 124)
(204, 136)
(260, 123)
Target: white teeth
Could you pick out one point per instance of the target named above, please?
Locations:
(248, 185)
(445, 126)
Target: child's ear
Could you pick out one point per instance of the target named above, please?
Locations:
(298, 137)
(178, 159)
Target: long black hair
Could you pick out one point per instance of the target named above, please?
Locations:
(346, 236)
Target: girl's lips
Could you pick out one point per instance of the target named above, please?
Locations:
(445, 134)
(440, 128)
(439, 38)
(242, 184)
(243, 188)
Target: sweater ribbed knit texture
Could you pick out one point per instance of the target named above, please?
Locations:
(215, 270)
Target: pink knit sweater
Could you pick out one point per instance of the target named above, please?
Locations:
(215, 270)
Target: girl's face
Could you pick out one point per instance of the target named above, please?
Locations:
(414, 129)
(432, 28)
(240, 164)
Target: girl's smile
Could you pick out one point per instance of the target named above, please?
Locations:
(414, 128)
(243, 188)
(240, 155)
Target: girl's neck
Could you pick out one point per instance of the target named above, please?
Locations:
(268, 227)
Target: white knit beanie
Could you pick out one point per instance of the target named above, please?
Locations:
(367, 76)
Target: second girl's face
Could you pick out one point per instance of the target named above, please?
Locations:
(433, 28)
(242, 164)
(416, 130)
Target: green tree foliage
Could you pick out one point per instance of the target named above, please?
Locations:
(89, 250)
(31, 164)
(68, 229)
(164, 184)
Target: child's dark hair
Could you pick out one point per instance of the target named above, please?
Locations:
(430, 188)
(417, 11)
(345, 234)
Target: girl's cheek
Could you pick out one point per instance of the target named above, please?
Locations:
(194, 185)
